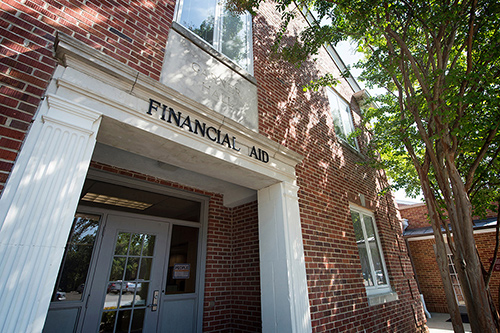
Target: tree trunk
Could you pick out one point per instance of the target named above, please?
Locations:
(451, 301)
(475, 295)
(466, 259)
(493, 308)
(442, 258)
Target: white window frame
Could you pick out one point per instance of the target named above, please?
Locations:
(347, 125)
(217, 38)
(376, 289)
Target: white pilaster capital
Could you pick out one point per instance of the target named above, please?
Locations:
(67, 112)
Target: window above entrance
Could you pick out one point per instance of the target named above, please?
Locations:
(228, 33)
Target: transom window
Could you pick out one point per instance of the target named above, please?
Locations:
(372, 261)
(342, 118)
(228, 33)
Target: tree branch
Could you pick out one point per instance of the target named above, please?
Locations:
(479, 157)
(406, 51)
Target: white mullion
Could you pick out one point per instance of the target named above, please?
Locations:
(218, 25)
(380, 253)
(249, 43)
(351, 122)
(178, 11)
(368, 250)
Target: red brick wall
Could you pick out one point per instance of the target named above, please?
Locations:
(133, 32)
(232, 275)
(428, 276)
(330, 176)
(429, 279)
(485, 243)
(246, 311)
(217, 302)
(232, 280)
(416, 215)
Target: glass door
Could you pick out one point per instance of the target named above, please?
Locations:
(127, 285)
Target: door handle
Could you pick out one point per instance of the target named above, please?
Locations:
(154, 303)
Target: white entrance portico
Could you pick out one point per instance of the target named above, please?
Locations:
(94, 98)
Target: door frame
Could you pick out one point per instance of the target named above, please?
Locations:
(161, 189)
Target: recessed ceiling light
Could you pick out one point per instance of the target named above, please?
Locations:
(107, 200)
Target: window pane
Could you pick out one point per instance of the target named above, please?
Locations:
(122, 243)
(135, 245)
(149, 245)
(141, 294)
(117, 269)
(234, 38)
(182, 262)
(145, 271)
(363, 253)
(132, 268)
(227, 32)
(199, 17)
(374, 250)
(107, 322)
(76, 262)
(333, 99)
(347, 121)
(123, 321)
(137, 320)
(373, 267)
(341, 115)
(370, 232)
(358, 231)
(365, 264)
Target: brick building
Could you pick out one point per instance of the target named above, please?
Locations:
(421, 245)
(162, 171)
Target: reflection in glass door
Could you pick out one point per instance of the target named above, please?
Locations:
(70, 292)
(182, 263)
(128, 283)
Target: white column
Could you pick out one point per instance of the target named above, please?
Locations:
(37, 210)
(284, 297)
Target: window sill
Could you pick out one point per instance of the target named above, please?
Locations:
(210, 50)
(347, 145)
(382, 298)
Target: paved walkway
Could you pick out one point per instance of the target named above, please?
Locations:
(439, 324)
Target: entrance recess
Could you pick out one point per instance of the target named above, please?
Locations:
(124, 271)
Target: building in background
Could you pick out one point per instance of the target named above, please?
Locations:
(422, 247)
(161, 170)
